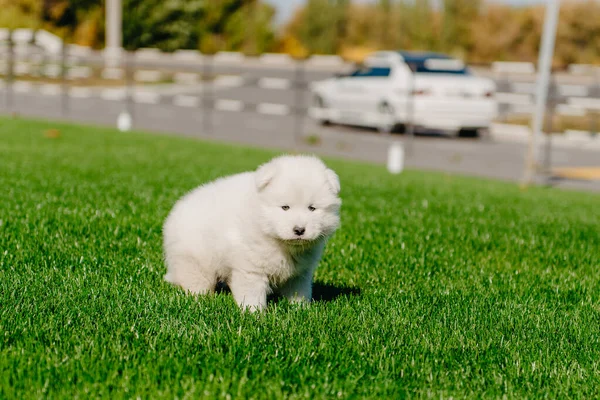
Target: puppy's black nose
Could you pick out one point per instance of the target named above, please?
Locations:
(299, 231)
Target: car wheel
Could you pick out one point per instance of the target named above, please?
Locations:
(320, 104)
(387, 122)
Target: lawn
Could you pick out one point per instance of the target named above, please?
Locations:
(435, 286)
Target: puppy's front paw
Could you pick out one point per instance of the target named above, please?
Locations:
(252, 308)
(299, 299)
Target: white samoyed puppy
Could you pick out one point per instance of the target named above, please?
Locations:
(257, 231)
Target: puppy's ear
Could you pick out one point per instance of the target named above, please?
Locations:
(333, 181)
(264, 175)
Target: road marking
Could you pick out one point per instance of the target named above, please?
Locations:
(52, 71)
(276, 59)
(50, 89)
(22, 87)
(146, 97)
(521, 87)
(22, 69)
(584, 102)
(522, 108)
(113, 94)
(328, 61)
(183, 100)
(80, 92)
(583, 69)
(229, 57)
(113, 73)
(80, 51)
(507, 67)
(187, 55)
(577, 134)
(573, 90)
(229, 105)
(186, 77)
(514, 98)
(229, 81)
(566, 109)
(274, 83)
(79, 73)
(273, 109)
(148, 54)
(148, 76)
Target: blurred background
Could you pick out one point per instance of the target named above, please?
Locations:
(453, 81)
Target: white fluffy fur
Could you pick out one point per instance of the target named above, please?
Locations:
(235, 230)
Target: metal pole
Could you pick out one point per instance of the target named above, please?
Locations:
(114, 35)
(506, 80)
(299, 86)
(130, 84)
(63, 78)
(410, 105)
(549, 116)
(207, 95)
(544, 67)
(594, 116)
(10, 73)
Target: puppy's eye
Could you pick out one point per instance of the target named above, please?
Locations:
(285, 208)
(311, 208)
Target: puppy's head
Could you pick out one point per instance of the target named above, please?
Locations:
(299, 199)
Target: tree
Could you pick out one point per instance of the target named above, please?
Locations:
(249, 28)
(458, 16)
(67, 15)
(225, 24)
(386, 38)
(20, 13)
(164, 24)
(191, 24)
(341, 22)
(317, 31)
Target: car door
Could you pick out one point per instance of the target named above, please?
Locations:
(365, 90)
(346, 90)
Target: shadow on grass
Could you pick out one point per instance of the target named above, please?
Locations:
(321, 292)
(325, 292)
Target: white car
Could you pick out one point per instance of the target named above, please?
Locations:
(392, 88)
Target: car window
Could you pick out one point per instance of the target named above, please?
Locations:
(421, 67)
(371, 72)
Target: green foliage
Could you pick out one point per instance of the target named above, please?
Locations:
(479, 31)
(168, 25)
(452, 287)
(321, 26)
(458, 16)
(476, 30)
(20, 13)
(247, 28)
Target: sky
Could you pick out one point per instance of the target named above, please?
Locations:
(285, 8)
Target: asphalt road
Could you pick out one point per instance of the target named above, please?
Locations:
(475, 157)
(246, 79)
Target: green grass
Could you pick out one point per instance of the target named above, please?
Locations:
(450, 286)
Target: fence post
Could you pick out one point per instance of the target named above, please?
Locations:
(129, 64)
(409, 127)
(300, 84)
(552, 100)
(595, 93)
(207, 94)
(10, 73)
(63, 77)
